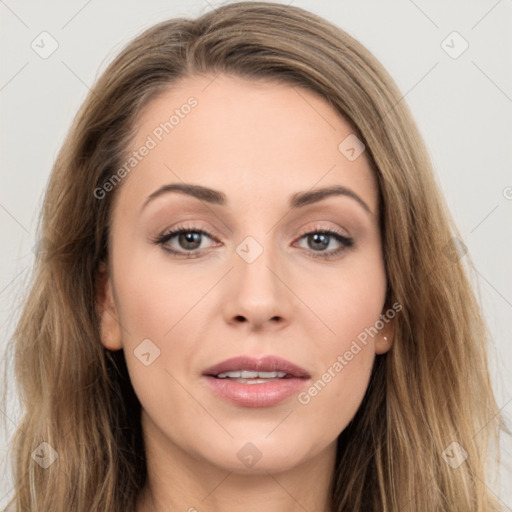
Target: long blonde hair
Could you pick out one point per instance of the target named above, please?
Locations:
(432, 389)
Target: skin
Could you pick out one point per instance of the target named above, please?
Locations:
(258, 142)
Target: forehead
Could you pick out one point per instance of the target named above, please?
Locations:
(250, 138)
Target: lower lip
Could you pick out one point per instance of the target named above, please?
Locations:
(265, 394)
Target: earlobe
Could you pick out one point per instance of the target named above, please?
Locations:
(109, 327)
(384, 339)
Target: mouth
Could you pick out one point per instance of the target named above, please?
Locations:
(252, 377)
(250, 382)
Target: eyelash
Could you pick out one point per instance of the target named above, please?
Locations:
(162, 239)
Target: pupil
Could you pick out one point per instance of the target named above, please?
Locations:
(190, 240)
(322, 239)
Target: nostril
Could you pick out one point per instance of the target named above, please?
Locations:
(240, 318)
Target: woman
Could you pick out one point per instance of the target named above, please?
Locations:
(249, 294)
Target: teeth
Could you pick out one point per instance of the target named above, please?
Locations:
(233, 375)
(270, 375)
(253, 381)
(245, 374)
(248, 374)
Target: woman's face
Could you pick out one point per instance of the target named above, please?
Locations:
(266, 266)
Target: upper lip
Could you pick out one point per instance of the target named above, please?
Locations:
(268, 363)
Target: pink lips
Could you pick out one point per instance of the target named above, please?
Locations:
(264, 364)
(263, 394)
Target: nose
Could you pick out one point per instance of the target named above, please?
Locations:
(257, 296)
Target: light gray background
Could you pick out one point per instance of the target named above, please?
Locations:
(463, 108)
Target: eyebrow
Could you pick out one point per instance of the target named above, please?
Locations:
(297, 200)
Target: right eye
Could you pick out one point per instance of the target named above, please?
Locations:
(187, 241)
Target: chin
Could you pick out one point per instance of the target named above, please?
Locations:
(256, 455)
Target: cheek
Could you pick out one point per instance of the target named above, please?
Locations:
(351, 304)
(155, 299)
(337, 390)
(351, 300)
(160, 314)
(335, 394)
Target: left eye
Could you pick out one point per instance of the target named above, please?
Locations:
(320, 240)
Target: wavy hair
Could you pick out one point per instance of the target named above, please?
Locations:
(430, 390)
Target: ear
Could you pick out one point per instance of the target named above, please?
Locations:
(110, 328)
(384, 338)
